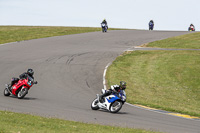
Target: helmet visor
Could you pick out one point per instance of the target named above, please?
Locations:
(123, 87)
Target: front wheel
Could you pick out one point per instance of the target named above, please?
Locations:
(103, 29)
(94, 105)
(6, 92)
(22, 93)
(116, 106)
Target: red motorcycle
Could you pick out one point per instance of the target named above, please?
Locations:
(191, 28)
(20, 88)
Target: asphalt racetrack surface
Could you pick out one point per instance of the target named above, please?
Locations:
(69, 70)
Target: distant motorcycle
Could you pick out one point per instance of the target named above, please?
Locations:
(151, 26)
(104, 27)
(112, 103)
(191, 28)
(20, 87)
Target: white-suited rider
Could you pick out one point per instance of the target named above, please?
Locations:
(113, 89)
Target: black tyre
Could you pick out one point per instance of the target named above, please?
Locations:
(116, 106)
(94, 105)
(103, 29)
(6, 92)
(22, 93)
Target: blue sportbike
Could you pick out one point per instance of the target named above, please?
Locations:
(112, 103)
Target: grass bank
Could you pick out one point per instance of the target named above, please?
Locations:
(20, 33)
(23, 123)
(168, 80)
(189, 41)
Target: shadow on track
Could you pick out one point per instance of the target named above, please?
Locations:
(25, 98)
(105, 111)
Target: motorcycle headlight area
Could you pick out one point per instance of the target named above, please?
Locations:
(29, 83)
(123, 98)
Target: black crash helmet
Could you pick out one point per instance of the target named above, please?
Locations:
(123, 85)
(30, 72)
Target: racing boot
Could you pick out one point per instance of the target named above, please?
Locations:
(10, 87)
(99, 97)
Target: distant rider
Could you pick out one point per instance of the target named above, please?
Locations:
(191, 27)
(151, 23)
(24, 75)
(113, 89)
(105, 22)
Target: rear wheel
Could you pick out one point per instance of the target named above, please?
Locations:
(105, 29)
(22, 93)
(94, 105)
(6, 92)
(115, 107)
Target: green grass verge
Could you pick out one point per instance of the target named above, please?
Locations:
(20, 33)
(189, 41)
(23, 123)
(169, 80)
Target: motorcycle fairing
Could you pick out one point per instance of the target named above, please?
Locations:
(16, 86)
(108, 100)
(112, 99)
(26, 83)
